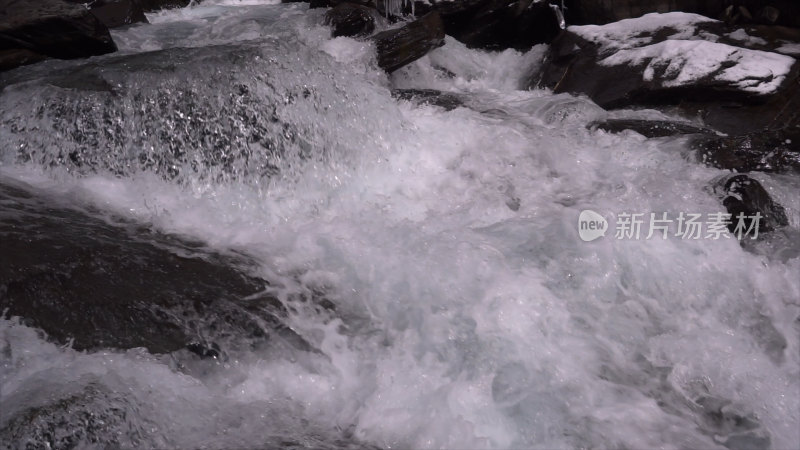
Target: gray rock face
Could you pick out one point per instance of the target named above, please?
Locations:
(351, 19)
(53, 28)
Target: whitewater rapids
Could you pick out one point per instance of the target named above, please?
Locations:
(469, 314)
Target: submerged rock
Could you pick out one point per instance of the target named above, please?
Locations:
(98, 284)
(350, 19)
(744, 195)
(400, 46)
(648, 128)
(433, 97)
(53, 28)
(764, 151)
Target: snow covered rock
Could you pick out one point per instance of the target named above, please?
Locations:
(661, 59)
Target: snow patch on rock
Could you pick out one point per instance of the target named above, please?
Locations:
(790, 48)
(677, 63)
(631, 33)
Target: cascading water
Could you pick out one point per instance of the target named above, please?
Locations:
(468, 313)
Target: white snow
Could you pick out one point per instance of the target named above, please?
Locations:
(636, 32)
(678, 62)
(790, 48)
(742, 36)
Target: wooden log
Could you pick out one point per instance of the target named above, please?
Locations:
(401, 46)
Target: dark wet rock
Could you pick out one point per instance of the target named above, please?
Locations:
(156, 5)
(764, 151)
(648, 128)
(12, 58)
(350, 19)
(53, 28)
(730, 427)
(743, 195)
(333, 3)
(497, 24)
(117, 13)
(769, 15)
(433, 97)
(400, 46)
(99, 284)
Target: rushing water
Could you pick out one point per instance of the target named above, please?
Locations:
(469, 314)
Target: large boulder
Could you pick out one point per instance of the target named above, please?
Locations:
(53, 28)
(98, 283)
(400, 46)
(675, 59)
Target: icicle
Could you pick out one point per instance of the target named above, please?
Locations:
(395, 7)
(562, 23)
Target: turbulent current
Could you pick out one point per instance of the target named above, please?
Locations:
(426, 257)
